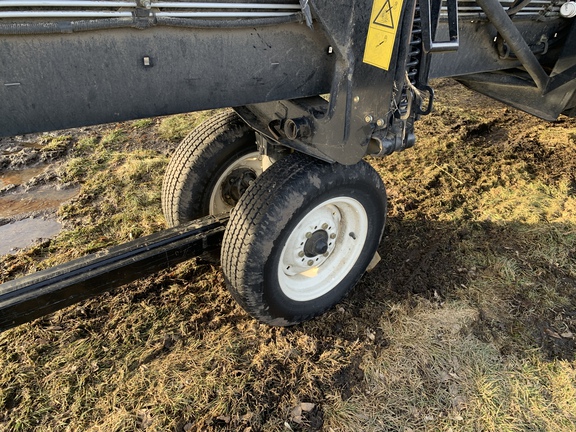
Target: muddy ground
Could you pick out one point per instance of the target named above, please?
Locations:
(468, 323)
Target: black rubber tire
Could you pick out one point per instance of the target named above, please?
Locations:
(270, 210)
(199, 161)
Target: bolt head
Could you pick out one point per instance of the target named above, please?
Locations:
(310, 262)
(308, 234)
(356, 99)
(301, 254)
(368, 119)
(324, 226)
(380, 122)
(333, 236)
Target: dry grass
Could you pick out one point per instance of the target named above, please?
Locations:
(467, 325)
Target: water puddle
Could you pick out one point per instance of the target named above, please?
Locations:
(11, 149)
(30, 196)
(18, 177)
(21, 234)
(42, 198)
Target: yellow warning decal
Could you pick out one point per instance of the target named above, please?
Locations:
(384, 23)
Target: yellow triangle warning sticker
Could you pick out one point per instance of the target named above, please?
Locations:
(381, 38)
(384, 17)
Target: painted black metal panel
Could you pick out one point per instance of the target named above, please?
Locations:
(53, 82)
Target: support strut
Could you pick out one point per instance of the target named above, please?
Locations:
(30, 297)
(501, 20)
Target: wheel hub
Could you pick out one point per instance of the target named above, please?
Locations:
(234, 181)
(317, 244)
(236, 184)
(313, 241)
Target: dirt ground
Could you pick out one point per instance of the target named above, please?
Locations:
(468, 322)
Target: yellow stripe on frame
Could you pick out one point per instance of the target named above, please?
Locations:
(384, 23)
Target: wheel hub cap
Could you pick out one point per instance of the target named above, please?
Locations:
(317, 244)
(233, 182)
(236, 184)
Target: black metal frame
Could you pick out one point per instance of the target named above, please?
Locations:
(363, 99)
(542, 84)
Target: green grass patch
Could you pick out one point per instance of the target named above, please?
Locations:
(175, 128)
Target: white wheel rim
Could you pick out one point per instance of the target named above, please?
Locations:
(252, 161)
(304, 278)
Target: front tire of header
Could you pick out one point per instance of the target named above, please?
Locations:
(301, 237)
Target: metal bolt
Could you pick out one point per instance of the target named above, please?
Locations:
(333, 236)
(326, 254)
(310, 262)
(356, 99)
(368, 119)
(301, 254)
(324, 226)
(308, 234)
(380, 122)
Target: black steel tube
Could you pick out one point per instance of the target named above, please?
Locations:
(500, 19)
(59, 27)
(229, 23)
(30, 297)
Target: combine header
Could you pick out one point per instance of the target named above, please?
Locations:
(315, 86)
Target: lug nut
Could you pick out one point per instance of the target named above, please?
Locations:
(310, 262)
(333, 235)
(324, 226)
(308, 234)
(301, 254)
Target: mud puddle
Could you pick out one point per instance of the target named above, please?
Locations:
(30, 193)
(11, 149)
(45, 197)
(19, 177)
(23, 233)
(31, 214)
